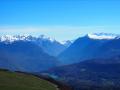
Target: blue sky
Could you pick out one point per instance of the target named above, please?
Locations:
(60, 19)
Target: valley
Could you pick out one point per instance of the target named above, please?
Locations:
(91, 62)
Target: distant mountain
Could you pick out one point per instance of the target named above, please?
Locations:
(100, 45)
(102, 36)
(94, 74)
(67, 43)
(49, 45)
(25, 56)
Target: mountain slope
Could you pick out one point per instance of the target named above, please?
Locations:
(95, 74)
(91, 46)
(50, 46)
(25, 56)
(19, 81)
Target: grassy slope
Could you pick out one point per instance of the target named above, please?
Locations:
(19, 81)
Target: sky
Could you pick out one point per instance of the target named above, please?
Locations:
(59, 19)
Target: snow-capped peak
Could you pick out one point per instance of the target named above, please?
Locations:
(46, 38)
(8, 38)
(102, 36)
(67, 43)
(12, 38)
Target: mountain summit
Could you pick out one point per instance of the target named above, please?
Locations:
(91, 46)
(103, 36)
(13, 38)
(49, 45)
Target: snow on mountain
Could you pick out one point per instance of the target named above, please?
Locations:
(91, 46)
(49, 45)
(46, 38)
(10, 38)
(67, 42)
(103, 36)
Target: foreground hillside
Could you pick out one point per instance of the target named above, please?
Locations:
(19, 81)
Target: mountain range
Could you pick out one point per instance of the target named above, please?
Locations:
(92, 62)
(25, 56)
(91, 46)
(49, 45)
(28, 53)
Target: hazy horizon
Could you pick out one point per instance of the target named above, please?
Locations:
(62, 20)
